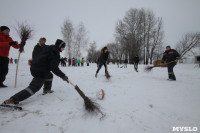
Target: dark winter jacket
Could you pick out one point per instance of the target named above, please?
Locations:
(170, 55)
(103, 58)
(126, 61)
(136, 59)
(37, 47)
(46, 59)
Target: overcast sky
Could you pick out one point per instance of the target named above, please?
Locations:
(98, 16)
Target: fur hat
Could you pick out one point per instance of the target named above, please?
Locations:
(2, 28)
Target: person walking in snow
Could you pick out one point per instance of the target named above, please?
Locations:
(171, 56)
(45, 60)
(125, 63)
(5, 43)
(102, 60)
(136, 61)
(117, 63)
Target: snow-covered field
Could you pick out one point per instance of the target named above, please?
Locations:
(134, 102)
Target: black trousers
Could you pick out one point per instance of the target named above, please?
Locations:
(3, 68)
(170, 67)
(34, 86)
(99, 67)
(136, 66)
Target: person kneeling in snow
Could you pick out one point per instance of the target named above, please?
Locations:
(45, 60)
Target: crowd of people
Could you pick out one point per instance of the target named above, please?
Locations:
(73, 62)
(11, 60)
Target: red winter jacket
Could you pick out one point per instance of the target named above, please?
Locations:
(4, 45)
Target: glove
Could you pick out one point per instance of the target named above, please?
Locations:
(66, 79)
(176, 60)
(23, 43)
(13, 43)
(21, 49)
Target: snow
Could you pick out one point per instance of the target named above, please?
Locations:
(134, 102)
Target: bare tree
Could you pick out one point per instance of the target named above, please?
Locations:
(68, 33)
(136, 34)
(92, 52)
(189, 42)
(157, 40)
(114, 51)
(149, 32)
(80, 40)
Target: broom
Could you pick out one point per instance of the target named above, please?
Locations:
(90, 105)
(25, 32)
(107, 73)
(149, 68)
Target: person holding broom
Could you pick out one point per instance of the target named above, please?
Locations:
(5, 43)
(45, 60)
(171, 56)
(102, 60)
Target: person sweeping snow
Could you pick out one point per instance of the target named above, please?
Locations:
(102, 60)
(171, 56)
(45, 60)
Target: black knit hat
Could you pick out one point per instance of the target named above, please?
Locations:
(105, 48)
(60, 44)
(2, 28)
(168, 47)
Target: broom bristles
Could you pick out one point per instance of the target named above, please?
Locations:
(149, 68)
(107, 75)
(25, 32)
(90, 105)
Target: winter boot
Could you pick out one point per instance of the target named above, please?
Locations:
(47, 91)
(2, 85)
(174, 77)
(11, 101)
